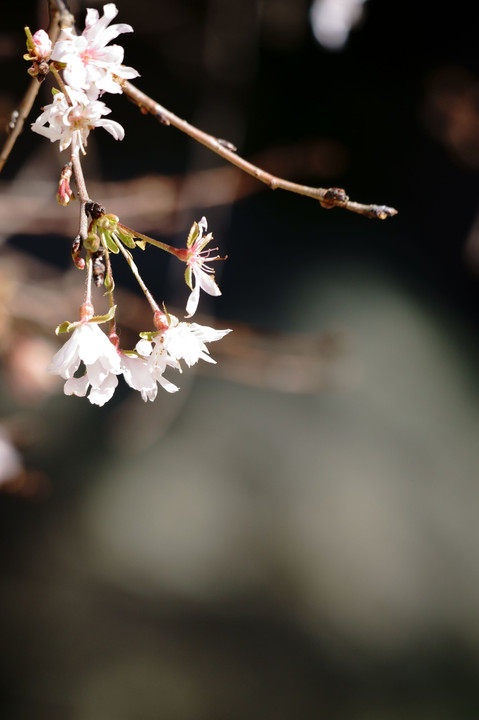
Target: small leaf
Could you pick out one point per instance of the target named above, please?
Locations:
(141, 244)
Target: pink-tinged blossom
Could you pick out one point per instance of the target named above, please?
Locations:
(70, 124)
(88, 345)
(196, 258)
(91, 65)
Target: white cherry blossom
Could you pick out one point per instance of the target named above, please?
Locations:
(88, 345)
(196, 259)
(137, 374)
(91, 65)
(179, 341)
(98, 395)
(70, 124)
(186, 341)
(157, 360)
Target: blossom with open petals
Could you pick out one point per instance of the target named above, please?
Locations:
(186, 341)
(138, 375)
(70, 124)
(157, 360)
(88, 345)
(196, 259)
(179, 341)
(91, 66)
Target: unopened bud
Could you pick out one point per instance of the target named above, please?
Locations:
(91, 242)
(76, 250)
(39, 48)
(160, 321)
(65, 193)
(42, 45)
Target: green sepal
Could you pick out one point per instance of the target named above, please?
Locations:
(104, 318)
(30, 43)
(66, 326)
(193, 234)
(110, 243)
(126, 238)
(148, 335)
(109, 284)
(141, 244)
(188, 279)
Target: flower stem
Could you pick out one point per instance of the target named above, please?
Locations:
(177, 252)
(134, 269)
(89, 277)
(60, 82)
(82, 194)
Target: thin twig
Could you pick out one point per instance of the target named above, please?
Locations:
(82, 194)
(328, 197)
(60, 17)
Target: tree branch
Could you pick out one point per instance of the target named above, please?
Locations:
(328, 197)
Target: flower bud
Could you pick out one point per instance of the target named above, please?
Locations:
(42, 45)
(160, 320)
(91, 242)
(65, 193)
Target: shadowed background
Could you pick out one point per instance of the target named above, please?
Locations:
(294, 534)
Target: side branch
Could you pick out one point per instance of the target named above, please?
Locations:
(328, 197)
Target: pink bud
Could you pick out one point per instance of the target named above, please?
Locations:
(160, 320)
(65, 193)
(42, 45)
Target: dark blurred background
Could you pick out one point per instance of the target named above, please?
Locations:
(294, 534)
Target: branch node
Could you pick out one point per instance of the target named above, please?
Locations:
(160, 116)
(381, 212)
(227, 144)
(333, 197)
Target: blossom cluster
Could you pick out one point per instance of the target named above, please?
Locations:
(91, 67)
(143, 369)
(91, 361)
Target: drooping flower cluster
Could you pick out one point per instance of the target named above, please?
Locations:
(102, 362)
(91, 361)
(91, 68)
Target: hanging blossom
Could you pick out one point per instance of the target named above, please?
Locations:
(196, 258)
(179, 341)
(102, 362)
(143, 376)
(88, 345)
(91, 66)
(71, 118)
